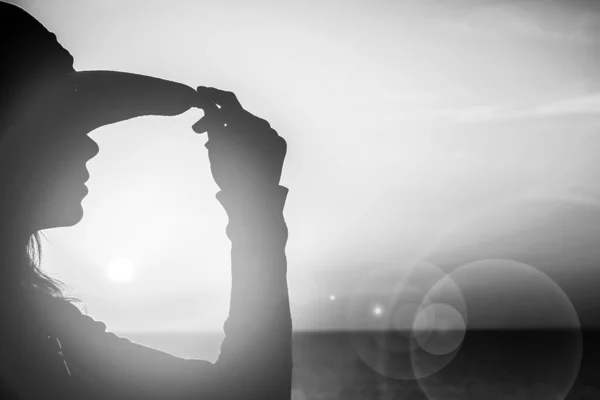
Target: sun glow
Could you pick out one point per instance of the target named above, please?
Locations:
(120, 270)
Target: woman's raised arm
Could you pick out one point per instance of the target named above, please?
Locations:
(90, 99)
(246, 157)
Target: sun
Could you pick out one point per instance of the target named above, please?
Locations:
(120, 270)
(377, 310)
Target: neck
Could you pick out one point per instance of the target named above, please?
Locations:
(13, 244)
(14, 232)
(12, 240)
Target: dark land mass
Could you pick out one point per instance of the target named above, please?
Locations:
(499, 364)
(488, 365)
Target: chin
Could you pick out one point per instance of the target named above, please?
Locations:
(66, 217)
(62, 208)
(72, 216)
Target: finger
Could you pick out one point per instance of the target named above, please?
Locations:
(205, 101)
(205, 96)
(208, 123)
(228, 100)
(211, 119)
(201, 126)
(232, 111)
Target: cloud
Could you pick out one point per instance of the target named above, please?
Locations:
(588, 104)
(573, 21)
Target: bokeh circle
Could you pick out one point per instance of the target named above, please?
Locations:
(385, 305)
(439, 328)
(522, 330)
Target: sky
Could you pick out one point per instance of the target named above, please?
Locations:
(432, 133)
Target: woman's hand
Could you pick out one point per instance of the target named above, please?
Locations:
(245, 153)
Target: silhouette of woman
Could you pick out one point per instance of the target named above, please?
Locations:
(49, 349)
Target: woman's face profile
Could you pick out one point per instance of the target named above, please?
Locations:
(43, 147)
(43, 163)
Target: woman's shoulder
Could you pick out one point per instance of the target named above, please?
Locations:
(62, 317)
(50, 306)
(87, 342)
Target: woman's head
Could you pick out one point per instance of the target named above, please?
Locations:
(28, 53)
(42, 153)
(45, 120)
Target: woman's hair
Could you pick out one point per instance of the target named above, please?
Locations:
(29, 53)
(21, 271)
(35, 278)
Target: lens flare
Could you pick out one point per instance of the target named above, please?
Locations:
(387, 305)
(439, 329)
(521, 327)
